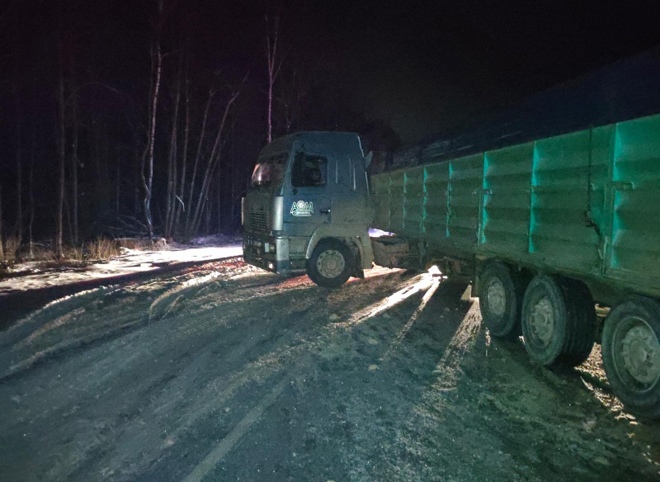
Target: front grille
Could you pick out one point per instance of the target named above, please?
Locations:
(258, 220)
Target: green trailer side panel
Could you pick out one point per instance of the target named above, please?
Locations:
(465, 186)
(568, 185)
(380, 195)
(601, 156)
(585, 204)
(506, 201)
(436, 186)
(634, 255)
(397, 206)
(414, 201)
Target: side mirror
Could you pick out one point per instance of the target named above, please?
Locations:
(368, 158)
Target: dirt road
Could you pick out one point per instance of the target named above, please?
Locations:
(230, 373)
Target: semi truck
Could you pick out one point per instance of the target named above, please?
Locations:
(546, 231)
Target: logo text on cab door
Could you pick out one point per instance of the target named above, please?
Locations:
(302, 208)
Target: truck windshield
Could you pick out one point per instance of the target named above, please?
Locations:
(269, 172)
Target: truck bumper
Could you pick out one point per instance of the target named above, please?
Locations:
(267, 252)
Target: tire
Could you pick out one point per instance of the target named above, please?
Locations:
(631, 354)
(500, 300)
(331, 264)
(558, 321)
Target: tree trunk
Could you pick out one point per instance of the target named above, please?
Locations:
(73, 165)
(19, 170)
(172, 168)
(179, 205)
(31, 193)
(198, 154)
(273, 69)
(61, 154)
(213, 158)
(18, 229)
(148, 177)
(117, 184)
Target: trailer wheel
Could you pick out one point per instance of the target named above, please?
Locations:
(558, 321)
(631, 354)
(500, 299)
(331, 264)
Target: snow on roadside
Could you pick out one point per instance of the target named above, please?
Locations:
(130, 261)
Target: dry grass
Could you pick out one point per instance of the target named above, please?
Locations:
(10, 250)
(45, 257)
(142, 244)
(101, 248)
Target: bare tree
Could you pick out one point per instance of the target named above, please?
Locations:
(172, 168)
(293, 91)
(73, 167)
(213, 159)
(148, 154)
(74, 161)
(18, 230)
(31, 191)
(198, 155)
(274, 65)
(180, 206)
(61, 146)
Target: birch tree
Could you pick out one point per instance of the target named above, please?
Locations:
(172, 168)
(180, 206)
(147, 171)
(213, 159)
(61, 146)
(274, 64)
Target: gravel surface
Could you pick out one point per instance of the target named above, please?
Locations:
(225, 372)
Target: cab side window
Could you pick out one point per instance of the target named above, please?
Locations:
(309, 170)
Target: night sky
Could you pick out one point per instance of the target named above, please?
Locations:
(426, 66)
(417, 68)
(420, 66)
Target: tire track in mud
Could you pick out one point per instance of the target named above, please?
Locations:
(319, 349)
(441, 415)
(219, 452)
(94, 446)
(81, 319)
(17, 304)
(248, 375)
(287, 340)
(209, 348)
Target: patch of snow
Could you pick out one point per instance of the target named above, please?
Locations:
(130, 261)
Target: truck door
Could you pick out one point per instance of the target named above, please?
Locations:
(307, 201)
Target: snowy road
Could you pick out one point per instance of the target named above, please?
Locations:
(224, 372)
(31, 285)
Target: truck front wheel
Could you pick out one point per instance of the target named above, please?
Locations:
(331, 264)
(500, 299)
(631, 354)
(558, 321)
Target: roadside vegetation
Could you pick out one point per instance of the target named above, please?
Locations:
(16, 258)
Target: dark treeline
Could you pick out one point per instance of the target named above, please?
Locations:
(145, 118)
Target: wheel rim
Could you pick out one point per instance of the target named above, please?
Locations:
(542, 321)
(636, 354)
(330, 263)
(496, 296)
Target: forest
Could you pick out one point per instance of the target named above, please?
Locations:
(126, 118)
(145, 118)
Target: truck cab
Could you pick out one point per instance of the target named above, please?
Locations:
(308, 209)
